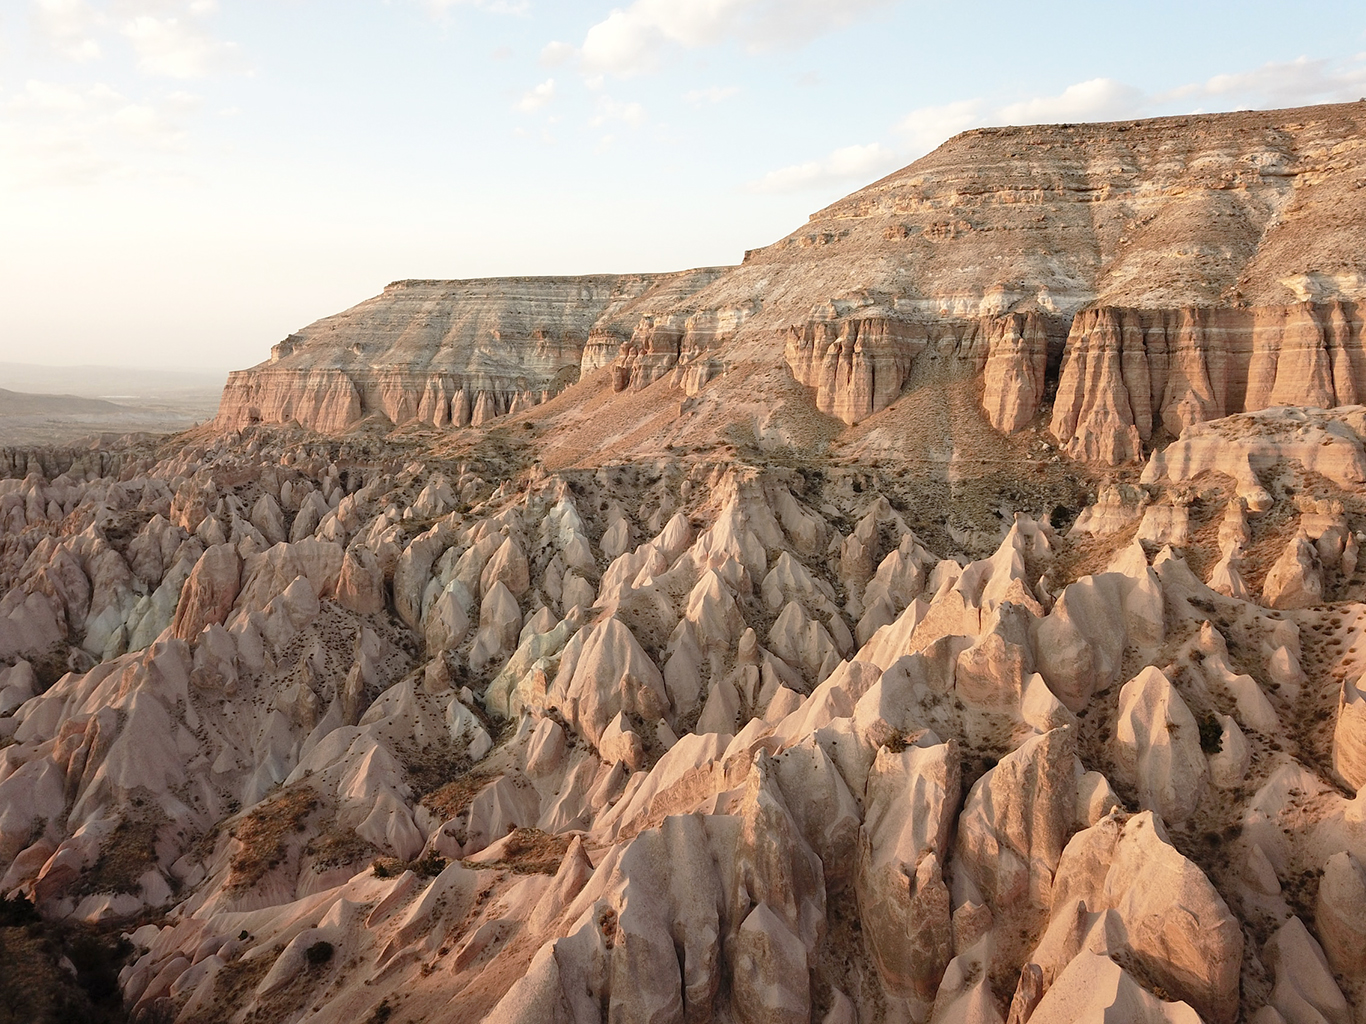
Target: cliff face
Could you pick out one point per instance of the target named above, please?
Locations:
(1129, 373)
(1172, 270)
(446, 353)
(1226, 222)
(633, 719)
(859, 365)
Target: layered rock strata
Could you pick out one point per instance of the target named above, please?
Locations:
(1205, 265)
(860, 365)
(1128, 374)
(447, 353)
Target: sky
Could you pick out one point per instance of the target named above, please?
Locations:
(185, 182)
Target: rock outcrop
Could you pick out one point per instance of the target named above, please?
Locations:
(619, 716)
(447, 353)
(1156, 274)
(683, 738)
(1128, 373)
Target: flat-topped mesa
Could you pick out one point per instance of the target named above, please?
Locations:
(445, 353)
(1171, 270)
(1222, 212)
(1130, 374)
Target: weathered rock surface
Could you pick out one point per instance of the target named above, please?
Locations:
(634, 709)
(445, 353)
(1128, 373)
(612, 717)
(1163, 273)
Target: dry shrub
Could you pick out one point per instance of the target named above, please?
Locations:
(529, 851)
(125, 858)
(337, 848)
(265, 833)
(455, 796)
(427, 866)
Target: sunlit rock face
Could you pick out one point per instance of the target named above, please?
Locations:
(952, 613)
(446, 353)
(852, 741)
(1156, 274)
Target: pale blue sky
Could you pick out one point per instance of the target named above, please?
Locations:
(184, 182)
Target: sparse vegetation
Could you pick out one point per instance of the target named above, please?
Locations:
(336, 847)
(426, 866)
(529, 851)
(1211, 734)
(124, 858)
(452, 798)
(265, 834)
(232, 985)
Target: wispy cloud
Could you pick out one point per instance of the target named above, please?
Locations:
(714, 94)
(1099, 99)
(926, 127)
(1284, 83)
(609, 109)
(639, 37)
(176, 47)
(850, 163)
(70, 27)
(169, 38)
(537, 97)
(53, 133)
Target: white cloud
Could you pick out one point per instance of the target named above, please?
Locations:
(1099, 99)
(635, 39)
(715, 94)
(57, 134)
(174, 48)
(146, 121)
(537, 97)
(69, 27)
(555, 54)
(609, 109)
(51, 98)
(851, 163)
(167, 35)
(918, 132)
(926, 127)
(1282, 84)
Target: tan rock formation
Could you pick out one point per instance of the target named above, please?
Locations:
(209, 593)
(1296, 578)
(1128, 372)
(917, 280)
(1158, 746)
(445, 353)
(902, 895)
(619, 718)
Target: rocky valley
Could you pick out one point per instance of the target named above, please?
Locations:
(951, 613)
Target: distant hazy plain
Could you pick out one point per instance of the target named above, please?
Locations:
(63, 404)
